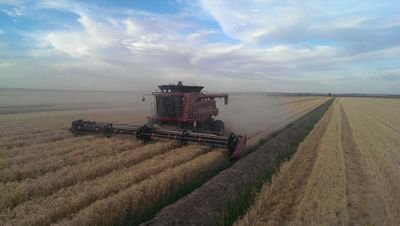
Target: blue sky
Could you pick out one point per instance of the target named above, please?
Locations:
(259, 45)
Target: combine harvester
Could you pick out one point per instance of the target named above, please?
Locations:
(183, 113)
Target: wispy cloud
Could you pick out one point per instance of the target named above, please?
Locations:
(12, 8)
(13, 12)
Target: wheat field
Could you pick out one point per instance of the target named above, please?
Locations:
(48, 176)
(346, 172)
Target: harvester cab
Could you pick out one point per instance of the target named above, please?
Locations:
(183, 113)
(186, 107)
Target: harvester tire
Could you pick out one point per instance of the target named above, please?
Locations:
(219, 127)
(108, 130)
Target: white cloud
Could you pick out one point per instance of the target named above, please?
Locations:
(12, 8)
(83, 44)
(200, 35)
(291, 22)
(266, 45)
(133, 28)
(247, 20)
(351, 23)
(14, 12)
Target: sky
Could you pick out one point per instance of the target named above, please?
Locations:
(226, 45)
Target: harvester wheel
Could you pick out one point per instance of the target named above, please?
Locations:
(144, 134)
(184, 139)
(219, 127)
(232, 143)
(108, 130)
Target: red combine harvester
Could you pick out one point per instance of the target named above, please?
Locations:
(183, 113)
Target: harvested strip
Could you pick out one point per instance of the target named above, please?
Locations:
(386, 112)
(310, 188)
(70, 200)
(147, 193)
(78, 154)
(15, 193)
(372, 166)
(324, 201)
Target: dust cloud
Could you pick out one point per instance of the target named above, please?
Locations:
(249, 114)
(245, 114)
(27, 101)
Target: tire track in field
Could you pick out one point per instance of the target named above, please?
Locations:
(386, 166)
(393, 108)
(363, 204)
(383, 132)
(383, 122)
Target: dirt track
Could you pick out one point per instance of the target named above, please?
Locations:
(346, 172)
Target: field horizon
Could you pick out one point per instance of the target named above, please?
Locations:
(272, 93)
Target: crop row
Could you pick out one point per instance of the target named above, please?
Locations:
(79, 153)
(15, 193)
(122, 208)
(42, 211)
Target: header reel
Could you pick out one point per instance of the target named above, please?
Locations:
(235, 144)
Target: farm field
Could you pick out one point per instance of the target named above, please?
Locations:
(47, 176)
(346, 172)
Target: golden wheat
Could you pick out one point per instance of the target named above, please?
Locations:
(142, 195)
(72, 199)
(378, 155)
(354, 177)
(275, 199)
(15, 193)
(61, 175)
(76, 154)
(23, 155)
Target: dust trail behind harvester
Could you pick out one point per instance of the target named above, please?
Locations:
(255, 115)
(259, 115)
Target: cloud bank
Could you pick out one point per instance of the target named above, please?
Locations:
(259, 45)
